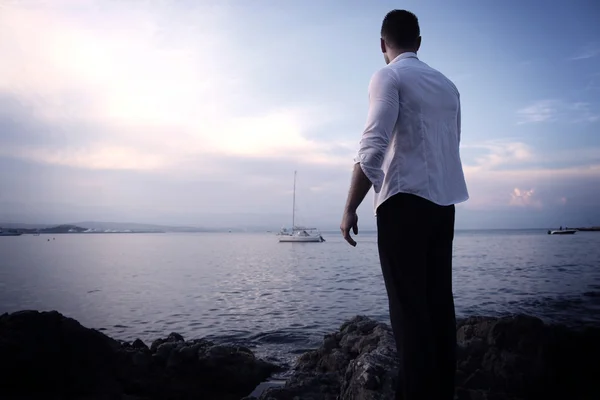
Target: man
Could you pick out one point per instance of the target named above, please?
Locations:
(409, 153)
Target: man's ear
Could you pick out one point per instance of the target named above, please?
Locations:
(383, 48)
(418, 44)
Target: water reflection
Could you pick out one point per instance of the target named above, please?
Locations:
(249, 287)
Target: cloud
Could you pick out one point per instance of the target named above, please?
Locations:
(118, 112)
(129, 89)
(494, 169)
(158, 111)
(524, 198)
(540, 111)
(498, 153)
(590, 50)
(552, 110)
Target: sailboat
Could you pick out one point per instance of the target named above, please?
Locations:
(298, 233)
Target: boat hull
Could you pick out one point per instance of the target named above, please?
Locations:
(563, 232)
(301, 239)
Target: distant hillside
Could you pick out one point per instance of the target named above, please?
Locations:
(69, 228)
(121, 226)
(25, 228)
(113, 227)
(60, 229)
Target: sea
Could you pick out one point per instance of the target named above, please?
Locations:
(279, 299)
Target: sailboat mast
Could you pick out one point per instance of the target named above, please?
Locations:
(294, 204)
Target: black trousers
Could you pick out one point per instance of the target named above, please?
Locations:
(415, 249)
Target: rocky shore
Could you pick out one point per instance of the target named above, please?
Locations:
(47, 355)
(499, 358)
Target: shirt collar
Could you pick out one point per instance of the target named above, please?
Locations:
(402, 56)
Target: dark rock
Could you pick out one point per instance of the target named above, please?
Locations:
(511, 358)
(358, 362)
(156, 344)
(138, 344)
(197, 369)
(524, 357)
(46, 355)
(175, 337)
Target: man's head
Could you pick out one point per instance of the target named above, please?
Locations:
(399, 33)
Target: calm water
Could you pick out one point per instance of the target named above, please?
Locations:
(280, 298)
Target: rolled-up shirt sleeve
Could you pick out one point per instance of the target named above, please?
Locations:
(384, 103)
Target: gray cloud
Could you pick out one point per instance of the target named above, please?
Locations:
(217, 190)
(552, 110)
(120, 134)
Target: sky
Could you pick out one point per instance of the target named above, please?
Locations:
(198, 113)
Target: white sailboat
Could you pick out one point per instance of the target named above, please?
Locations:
(298, 233)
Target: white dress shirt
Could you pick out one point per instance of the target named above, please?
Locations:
(412, 136)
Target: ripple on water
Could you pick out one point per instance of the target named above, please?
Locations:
(282, 299)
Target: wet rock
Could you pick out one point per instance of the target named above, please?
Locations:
(175, 337)
(46, 355)
(511, 358)
(358, 362)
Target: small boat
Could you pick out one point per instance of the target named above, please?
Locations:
(562, 232)
(302, 236)
(299, 234)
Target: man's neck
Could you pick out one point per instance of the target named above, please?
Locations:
(406, 51)
(396, 53)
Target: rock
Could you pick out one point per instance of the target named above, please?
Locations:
(358, 362)
(175, 337)
(521, 356)
(138, 344)
(156, 344)
(47, 355)
(510, 358)
(197, 369)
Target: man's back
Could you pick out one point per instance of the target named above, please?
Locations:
(409, 154)
(423, 156)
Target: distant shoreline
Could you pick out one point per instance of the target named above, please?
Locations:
(71, 229)
(99, 227)
(87, 233)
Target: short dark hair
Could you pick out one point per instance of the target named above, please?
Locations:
(400, 28)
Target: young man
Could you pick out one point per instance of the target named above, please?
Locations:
(409, 153)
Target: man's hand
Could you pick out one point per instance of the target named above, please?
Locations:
(349, 221)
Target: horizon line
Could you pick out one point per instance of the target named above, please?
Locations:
(243, 227)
